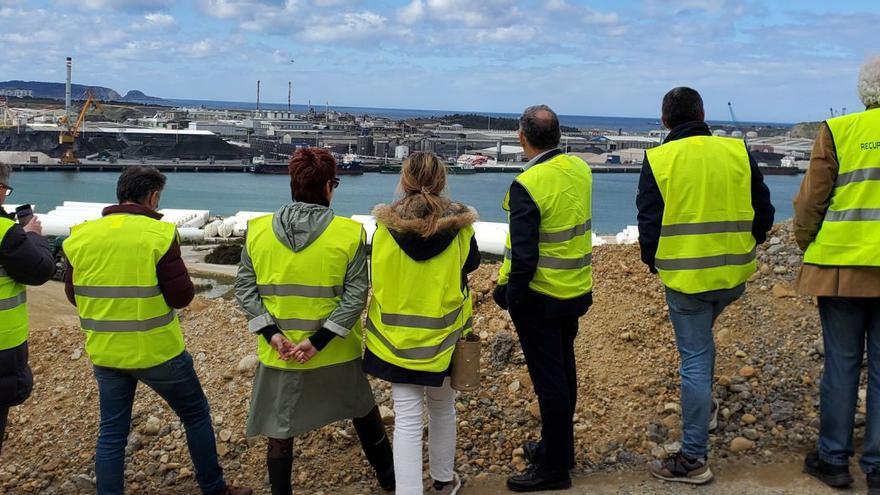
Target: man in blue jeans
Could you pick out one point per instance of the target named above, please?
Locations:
(126, 278)
(837, 224)
(703, 208)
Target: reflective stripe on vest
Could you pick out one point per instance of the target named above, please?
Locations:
(561, 188)
(301, 289)
(419, 309)
(850, 232)
(128, 324)
(13, 303)
(706, 240)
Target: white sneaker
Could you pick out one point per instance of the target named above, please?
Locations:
(450, 488)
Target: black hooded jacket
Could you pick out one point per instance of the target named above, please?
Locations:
(27, 259)
(650, 203)
(400, 218)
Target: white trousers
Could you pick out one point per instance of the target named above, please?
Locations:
(409, 408)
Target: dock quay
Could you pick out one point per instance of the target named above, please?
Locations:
(238, 166)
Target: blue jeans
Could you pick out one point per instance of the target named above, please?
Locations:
(693, 316)
(176, 382)
(847, 324)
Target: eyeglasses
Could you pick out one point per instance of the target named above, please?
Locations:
(335, 182)
(8, 190)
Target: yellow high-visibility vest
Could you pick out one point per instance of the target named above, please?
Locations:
(419, 309)
(562, 189)
(706, 242)
(13, 303)
(850, 233)
(128, 324)
(301, 289)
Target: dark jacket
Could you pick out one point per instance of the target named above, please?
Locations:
(401, 218)
(177, 288)
(810, 206)
(27, 259)
(525, 221)
(650, 202)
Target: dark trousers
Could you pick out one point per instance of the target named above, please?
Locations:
(548, 346)
(4, 413)
(849, 326)
(374, 441)
(177, 383)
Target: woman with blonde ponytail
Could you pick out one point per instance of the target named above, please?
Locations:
(423, 250)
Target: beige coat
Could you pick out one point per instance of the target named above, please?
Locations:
(810, 206)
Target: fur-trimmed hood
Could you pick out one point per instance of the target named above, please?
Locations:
(406, 216)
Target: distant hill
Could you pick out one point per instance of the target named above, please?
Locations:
(56, 91)
(135, 96)
(808, 130)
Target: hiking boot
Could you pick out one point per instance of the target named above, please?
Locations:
(231, 490)
(713, 419)
(445, 488)
(534, 481)
(830, 474)
(679, 468)
(874, 483)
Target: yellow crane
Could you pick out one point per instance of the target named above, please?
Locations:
(68, 136)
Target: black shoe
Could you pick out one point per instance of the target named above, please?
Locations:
(874, 483)
(386, 479)
(830, 474)
(535, 481)
(680, 469)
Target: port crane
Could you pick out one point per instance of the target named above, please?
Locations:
(67, 137)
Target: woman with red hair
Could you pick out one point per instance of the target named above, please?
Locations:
(303, 284)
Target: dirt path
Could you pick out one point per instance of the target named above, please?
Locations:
(731, 479)
(48, 307)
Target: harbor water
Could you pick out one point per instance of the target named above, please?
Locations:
(225, 194)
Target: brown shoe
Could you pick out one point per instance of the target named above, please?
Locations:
(231, 490)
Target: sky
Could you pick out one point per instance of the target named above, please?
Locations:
(776, 61)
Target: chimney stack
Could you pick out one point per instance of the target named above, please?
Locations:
(258, 97)
(67, 88)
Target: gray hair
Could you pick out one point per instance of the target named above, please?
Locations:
(5, 172)
(540, 126)
(869, 82)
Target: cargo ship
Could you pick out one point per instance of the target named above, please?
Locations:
(348, 165)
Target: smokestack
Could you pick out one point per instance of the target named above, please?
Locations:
(289, 91)
(258, 97)
(67, 88)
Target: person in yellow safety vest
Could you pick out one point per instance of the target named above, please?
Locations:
(422, 251)
(703, 208)
(837, 224)
(126, 278)
(303, 283)
(546, 283)
(25, 259)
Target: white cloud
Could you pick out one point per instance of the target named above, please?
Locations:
(412, 12)
(601, 18)
(348, 26)
(118, 4)
(506, 34)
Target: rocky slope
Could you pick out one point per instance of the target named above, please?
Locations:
(768, 367)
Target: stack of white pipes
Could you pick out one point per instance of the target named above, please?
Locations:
(59, 221)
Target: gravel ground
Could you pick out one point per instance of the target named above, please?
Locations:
(768, 367)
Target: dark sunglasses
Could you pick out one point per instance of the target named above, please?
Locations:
(7, 189)
(335, 182)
